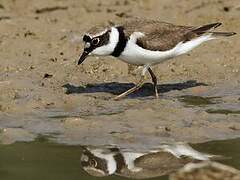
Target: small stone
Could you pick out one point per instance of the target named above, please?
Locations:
(167, 129)
(29, 33)
(172, 70)
(234, 128)
(53, 59)
(226, 9)
(31, 67)
(46, 75)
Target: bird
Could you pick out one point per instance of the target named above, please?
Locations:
(145, 43)
(101, 161)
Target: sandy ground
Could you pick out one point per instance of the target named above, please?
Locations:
(44, 92)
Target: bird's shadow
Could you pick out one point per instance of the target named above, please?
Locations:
(117, 88)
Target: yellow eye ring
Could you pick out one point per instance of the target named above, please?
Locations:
(95, 41)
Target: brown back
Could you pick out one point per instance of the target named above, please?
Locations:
(159, 36)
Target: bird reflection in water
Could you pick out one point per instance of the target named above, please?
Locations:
(165, 159)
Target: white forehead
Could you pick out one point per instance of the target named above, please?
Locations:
(91, 35)
(110, 46)
(84, 158)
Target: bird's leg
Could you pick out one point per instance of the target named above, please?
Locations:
(154, 80)
(136, 87)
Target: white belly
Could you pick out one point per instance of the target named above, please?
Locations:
(134, 54)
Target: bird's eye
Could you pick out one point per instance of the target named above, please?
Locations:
(93, 163)
(95, 41)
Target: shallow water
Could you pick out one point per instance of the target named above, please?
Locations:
(197, 100)
(46, 160)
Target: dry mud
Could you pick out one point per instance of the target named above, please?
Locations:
(44, 92)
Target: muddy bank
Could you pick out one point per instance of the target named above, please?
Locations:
(177, 116)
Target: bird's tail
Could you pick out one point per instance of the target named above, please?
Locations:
(223, 33)
(208, 29)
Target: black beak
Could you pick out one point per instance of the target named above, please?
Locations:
(83, 57)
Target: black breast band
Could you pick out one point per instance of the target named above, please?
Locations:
(122, 41)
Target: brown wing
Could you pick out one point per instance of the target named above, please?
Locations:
(162, 36)
(154, 165)
(161, 160)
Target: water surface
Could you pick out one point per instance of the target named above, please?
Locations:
(46, 160)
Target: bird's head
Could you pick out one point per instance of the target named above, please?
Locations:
(97, 163)
(99, 41)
